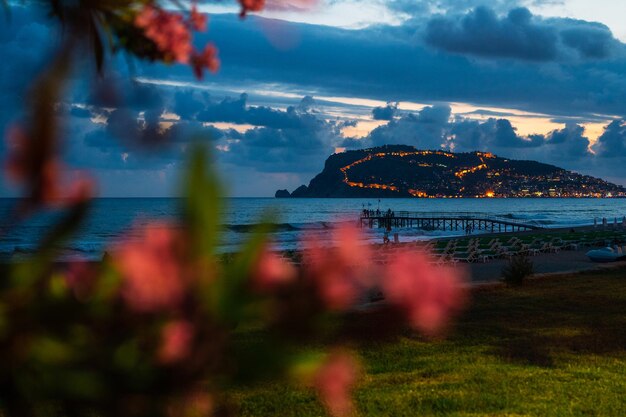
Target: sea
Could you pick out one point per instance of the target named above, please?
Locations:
(112, 219)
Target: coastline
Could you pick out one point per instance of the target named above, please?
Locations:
(488, 273)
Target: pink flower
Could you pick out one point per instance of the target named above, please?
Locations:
(341, 271)
(206, 59)
(334, 382)
(429, 294)
(80, 278)
(168, 31)
(198, 21)
(272, 271)
(81, 190)
(154, 276)
(251, 6)
(176, 339)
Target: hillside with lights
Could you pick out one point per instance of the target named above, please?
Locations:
(403, 171)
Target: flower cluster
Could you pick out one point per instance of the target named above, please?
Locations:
(171, 34)
(334, 381)
(156, 276)
(342, 271)
(148, 331)
(154, 269)
(428, 293)
(251, 6)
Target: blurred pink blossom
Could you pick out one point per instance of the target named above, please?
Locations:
(271, 271)
(251, 6)
(168, 31)
(197, 20)
(176, 340)
(342, 272)
(80, 277)
(334, 382)
(430, 294)
(206, 59)
(152, 267)
(80, 190)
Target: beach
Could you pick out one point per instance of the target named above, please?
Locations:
(566, 260)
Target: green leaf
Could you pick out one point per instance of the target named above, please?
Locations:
(202, 203)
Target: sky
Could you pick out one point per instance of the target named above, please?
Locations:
(524, 79)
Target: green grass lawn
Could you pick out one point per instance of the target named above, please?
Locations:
(551, 348)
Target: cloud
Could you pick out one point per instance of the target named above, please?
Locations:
(237, 111)
(592, 41)
(424, 129)
(292, 148)
(379, 62)
(612, 143)
(187, 104)
(567, 144)
(519, 35)
(385, 113)
(482, 33)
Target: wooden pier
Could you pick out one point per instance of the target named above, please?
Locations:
(452, 222)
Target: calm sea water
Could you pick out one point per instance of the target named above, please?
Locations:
(110, 219)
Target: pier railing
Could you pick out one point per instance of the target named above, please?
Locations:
(460, 215)
(455, 220)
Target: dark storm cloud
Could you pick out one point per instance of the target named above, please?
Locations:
(481, 32)
(381, 62)
(569, 143)
(385, 113)
(424, 129)
(432, 128)
(492, 134)
(282, 150)
(291, 147)
(612, 143)
(187, 104)
(519, 35)
(589, 39)
(291, 140)
(237, 111)
(124, 126)
(378, 62)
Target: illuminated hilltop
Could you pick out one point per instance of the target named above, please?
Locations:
(403, 171)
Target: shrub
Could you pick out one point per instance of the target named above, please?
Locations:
(519, 268)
